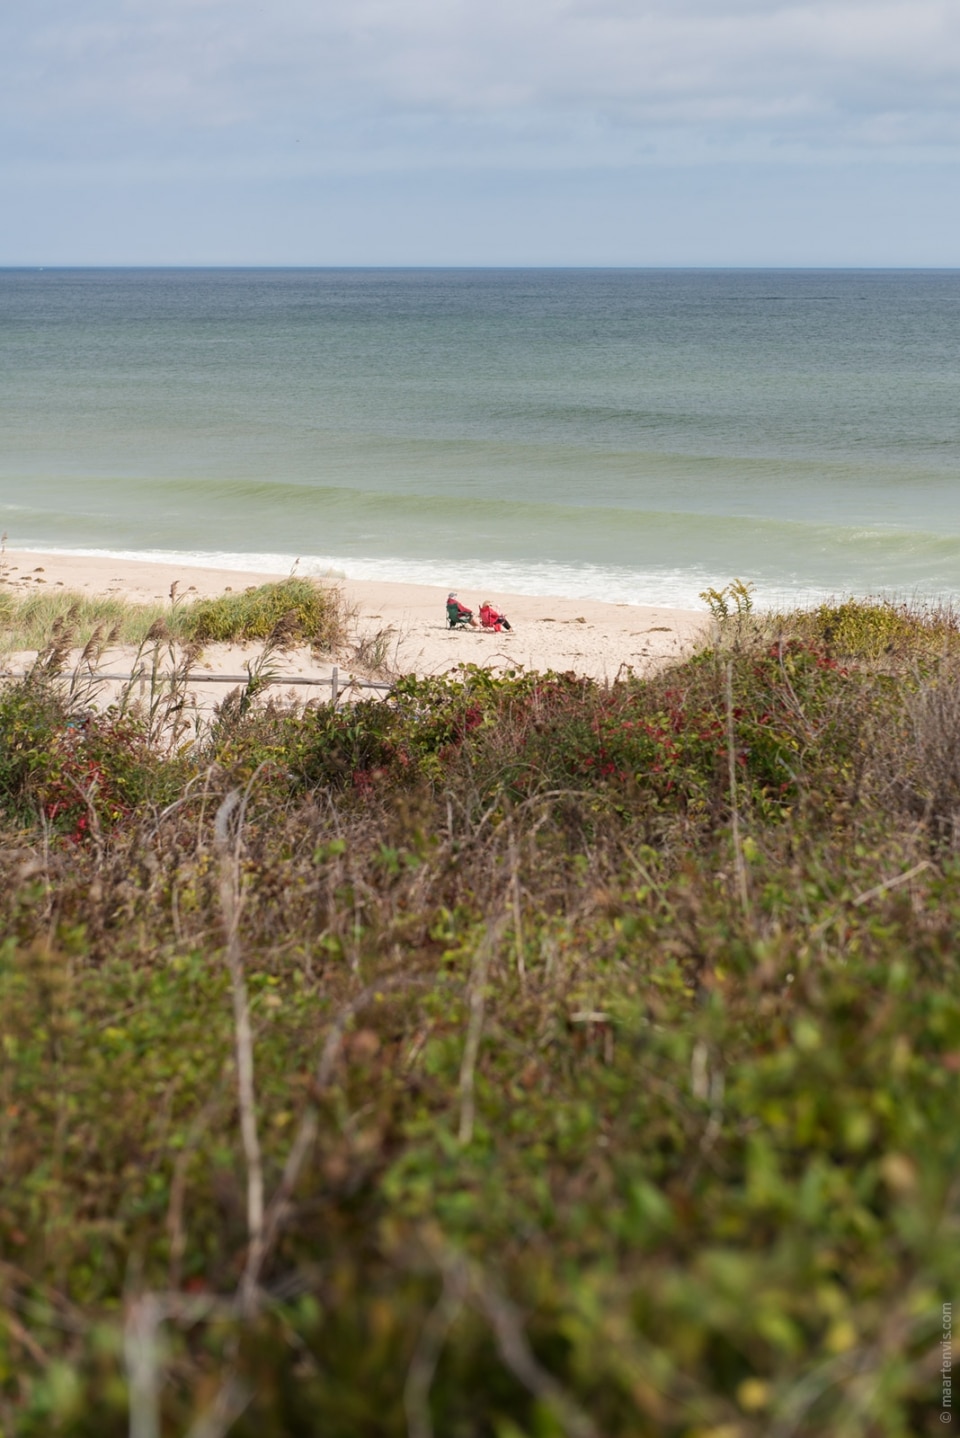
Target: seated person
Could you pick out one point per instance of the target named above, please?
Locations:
(458, 614)
(491, 619)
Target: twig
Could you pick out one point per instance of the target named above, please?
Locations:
(310, 1122)
(478, 987)
(178, 1187)
(739, 865)
(519, 1358)
(517, 914)
(145, 1312)
(24, 1337)
(469, 1282)
(823, 924)
(143, 1317)
(234, 1396)
(423, 1367)
(87, 796)
(230, 904)
(715, 1125)
(801, 1397)
(184, 798)
(894, 883)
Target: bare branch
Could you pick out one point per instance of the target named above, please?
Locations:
(140, 1351)
(230, 904)
(433, 1335)
(232, 1399)
(740, 867)
(309, 1124)
(471, 1284)
(478, 998)
(894, 883)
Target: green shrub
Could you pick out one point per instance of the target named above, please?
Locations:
(81, 772)
(297, 610)
(883, 629)
(31, 714)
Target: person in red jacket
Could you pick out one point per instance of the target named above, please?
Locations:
(458, 614)
(490, 618)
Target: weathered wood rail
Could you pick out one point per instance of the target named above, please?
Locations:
(333, 682)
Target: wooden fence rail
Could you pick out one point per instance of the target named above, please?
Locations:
(333, 683)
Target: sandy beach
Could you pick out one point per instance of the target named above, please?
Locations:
(405, 622)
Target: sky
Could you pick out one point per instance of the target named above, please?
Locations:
(480, 132)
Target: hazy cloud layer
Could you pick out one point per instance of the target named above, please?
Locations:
(490, 131)
(492, 82)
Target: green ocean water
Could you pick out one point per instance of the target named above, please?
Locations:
(631, 435)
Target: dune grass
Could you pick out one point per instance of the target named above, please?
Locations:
(310, 613)
(296, 611)
(29, 623)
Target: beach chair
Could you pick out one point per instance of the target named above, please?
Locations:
(457, 618)
(491, 618)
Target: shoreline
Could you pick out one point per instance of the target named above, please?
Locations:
(407, 621)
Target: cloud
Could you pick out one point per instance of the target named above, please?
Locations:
(476, 82)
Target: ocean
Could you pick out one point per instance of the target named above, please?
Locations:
(630, 435)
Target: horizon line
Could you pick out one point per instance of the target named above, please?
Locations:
(34, 267)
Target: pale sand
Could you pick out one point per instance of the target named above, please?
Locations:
(592, 639)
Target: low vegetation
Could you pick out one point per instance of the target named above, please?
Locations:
(516, 1056)
(28, 622)
(311, 613)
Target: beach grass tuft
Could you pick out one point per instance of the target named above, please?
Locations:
(29, 623)
(292, 611)
(306, 613)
